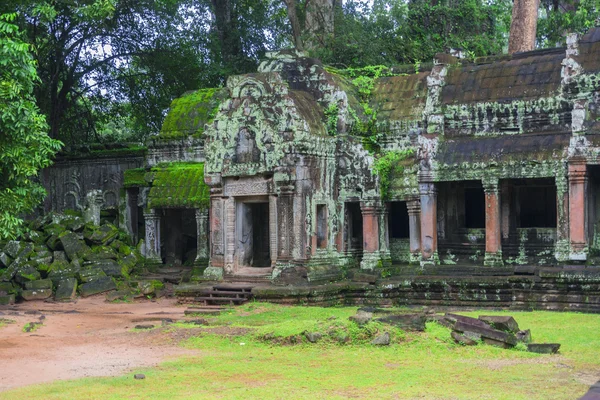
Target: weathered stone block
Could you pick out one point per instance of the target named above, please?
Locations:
(507, 324)
(37, 294)
(26, 250)
(110, 267)
(53, 242)
(66, 289)
(473, 321)
(73, 246)
(40, 284)
(543, 348)
(485, 332)
(361, 317)
(407, 322)
(7, 300)
(146, 287)
(463, 339)
(60, 256)
(91, 273)
(105, 253)
(61, 270)
(100, 285)
(103, 235)
(13, 248)
(118, 295)
(5, 260)
(382, 340)
(524, 336)
(27, 273)
(313, 337)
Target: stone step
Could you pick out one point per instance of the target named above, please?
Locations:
(222, 300)
(233, 287)
(224, 293)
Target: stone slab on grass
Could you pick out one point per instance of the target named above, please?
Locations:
(407, 322)
(488, 333)
(507, 324)
(543, 348)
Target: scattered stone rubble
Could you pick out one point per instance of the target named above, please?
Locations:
(501, 331)
(61, 256)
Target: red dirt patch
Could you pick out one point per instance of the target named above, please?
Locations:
(88, 338)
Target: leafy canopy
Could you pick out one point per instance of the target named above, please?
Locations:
(25, 147)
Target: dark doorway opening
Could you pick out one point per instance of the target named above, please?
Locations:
(474, 208)
(253, 235)
(179, 236)
(354, 227)
(321, 226)
(398, 220)
(537, 206)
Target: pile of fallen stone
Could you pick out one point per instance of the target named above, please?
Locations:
(501, 331)
(62, 255)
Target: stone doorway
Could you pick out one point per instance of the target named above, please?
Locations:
(252, 234)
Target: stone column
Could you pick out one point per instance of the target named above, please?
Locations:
(577, 214)
(152, 221)
(370, 216)
(562, 246)
(414, 229)
(505, 217)
(285, 222)
(428, 193)
(202, 246)
(493, 231)
(131, 213)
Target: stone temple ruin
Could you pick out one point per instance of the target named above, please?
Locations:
(300, 173)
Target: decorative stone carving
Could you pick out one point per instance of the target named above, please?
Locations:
(152, 222)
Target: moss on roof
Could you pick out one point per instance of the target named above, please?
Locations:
(179, 185)
(189, 113)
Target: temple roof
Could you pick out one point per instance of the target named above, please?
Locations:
(179, 185)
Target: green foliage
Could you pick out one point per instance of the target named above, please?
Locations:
(331, 119)
(179, 185)
(405, 32)
(558, 17)
(388, 166)
(25, 147)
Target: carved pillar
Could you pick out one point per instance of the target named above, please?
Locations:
(505, 217)
(493, 231)
(370, 215)
(152, 221)
(562, 246)
(384, 234)
(414, 229)
(273, 229)
(577, 214)
(285, 222)
(202, 252)
(229, 227)
(428, 193)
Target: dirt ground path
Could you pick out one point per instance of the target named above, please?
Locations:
(88, 338)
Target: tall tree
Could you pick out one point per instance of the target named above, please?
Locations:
(312, 22)
(523, 26)
(25, 147)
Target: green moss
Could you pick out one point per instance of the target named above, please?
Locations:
(388, 167)
(134, 177)
(189, 113)
(179, 185)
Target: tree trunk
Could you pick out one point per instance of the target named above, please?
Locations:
(296, 30)
(231, 44)
(319, 22)
(523, 26)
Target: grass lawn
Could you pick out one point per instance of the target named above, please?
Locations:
(268, 358)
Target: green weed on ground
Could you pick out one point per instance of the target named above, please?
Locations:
(251, 363)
